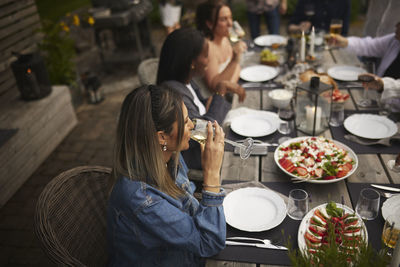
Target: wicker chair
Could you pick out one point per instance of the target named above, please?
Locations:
(70, 217)
(147, 71)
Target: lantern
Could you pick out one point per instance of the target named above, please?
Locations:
(313, 106)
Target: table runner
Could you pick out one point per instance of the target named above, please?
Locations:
(287, 228)
(374, 227)
(339, 132)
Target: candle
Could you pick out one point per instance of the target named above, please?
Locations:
(310, 112)
(312, 41)
(302, 48)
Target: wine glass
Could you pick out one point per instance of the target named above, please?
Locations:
(199, 134)
(336, 26)
(286, 116)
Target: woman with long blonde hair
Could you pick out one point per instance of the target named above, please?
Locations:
(153, 218)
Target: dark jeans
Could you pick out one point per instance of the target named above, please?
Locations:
(271, 18)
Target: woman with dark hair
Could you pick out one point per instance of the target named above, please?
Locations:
(152, 217)
(184, 55)
(214, 18)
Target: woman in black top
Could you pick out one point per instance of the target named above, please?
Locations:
(184, 55)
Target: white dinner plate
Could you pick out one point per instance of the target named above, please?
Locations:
(391, 206)
(370, 126)
(350, 153)
(258, 73)
(345, 73)
(256, 124)
(268, 40)
(254, 209)
(306, 222)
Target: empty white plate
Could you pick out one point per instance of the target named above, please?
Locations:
(370, 126)
(391, 206)
(256, 124)
(254, 209)
(345, 73)
(258, 73)
(268, 40)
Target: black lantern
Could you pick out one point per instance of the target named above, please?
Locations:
(313, 106)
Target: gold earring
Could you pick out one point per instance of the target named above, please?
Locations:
(192, 67)
(164, 147)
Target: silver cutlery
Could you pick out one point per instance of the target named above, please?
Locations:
(367, 142)
(387, 188)
(266, 243)
(387, 195)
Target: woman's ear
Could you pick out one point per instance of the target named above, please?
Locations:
(209, 25)
(161, 137)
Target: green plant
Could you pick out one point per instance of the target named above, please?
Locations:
(58, 50)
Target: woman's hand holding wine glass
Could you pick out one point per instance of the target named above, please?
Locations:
(212, 152)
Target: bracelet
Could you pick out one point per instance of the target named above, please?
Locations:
(211, 186)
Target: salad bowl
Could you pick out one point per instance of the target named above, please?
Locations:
(316, 159)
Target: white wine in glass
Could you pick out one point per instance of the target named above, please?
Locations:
(199, 134)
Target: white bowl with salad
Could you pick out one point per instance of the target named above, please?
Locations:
(316, 159)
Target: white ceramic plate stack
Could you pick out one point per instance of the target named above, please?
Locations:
(258, 73)
(255, 124)
(345, 73)
(370, 126)
(254, 209)
(350, 153)
(391, 206)
(268, 40)
(305, 223)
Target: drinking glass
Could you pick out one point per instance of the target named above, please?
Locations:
(368, 204)
(199, 134)
(337, 114)
(236, 32)
(391, 230)
(336, 26)
(286, 116)
(297, 204)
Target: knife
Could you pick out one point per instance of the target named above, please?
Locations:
(388, 188)
(258, 245)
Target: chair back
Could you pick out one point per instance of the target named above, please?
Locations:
(70, 218)
(147, 71)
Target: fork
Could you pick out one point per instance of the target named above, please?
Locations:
(265, 241)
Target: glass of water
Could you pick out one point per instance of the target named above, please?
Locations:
(368, 204)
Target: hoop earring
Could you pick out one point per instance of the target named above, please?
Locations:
(164, 147)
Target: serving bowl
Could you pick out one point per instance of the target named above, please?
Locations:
(280, 97)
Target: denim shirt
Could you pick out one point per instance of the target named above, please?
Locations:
(146, 227)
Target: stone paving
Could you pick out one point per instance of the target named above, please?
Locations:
(89, 143)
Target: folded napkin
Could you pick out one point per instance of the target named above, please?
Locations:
(231, 187)
(237, 112)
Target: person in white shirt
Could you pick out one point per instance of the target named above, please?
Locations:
(387, 48)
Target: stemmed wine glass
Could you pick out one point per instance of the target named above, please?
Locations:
(286, 116)
(199, 134)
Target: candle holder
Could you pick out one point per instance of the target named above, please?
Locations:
(313, 106)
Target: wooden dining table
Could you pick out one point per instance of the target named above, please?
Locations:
(372, 168)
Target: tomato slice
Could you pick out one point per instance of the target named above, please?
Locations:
(311, 238)
(341, 174)
(320, 215)
(287, 164)
(301, 171)
(347, 167)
